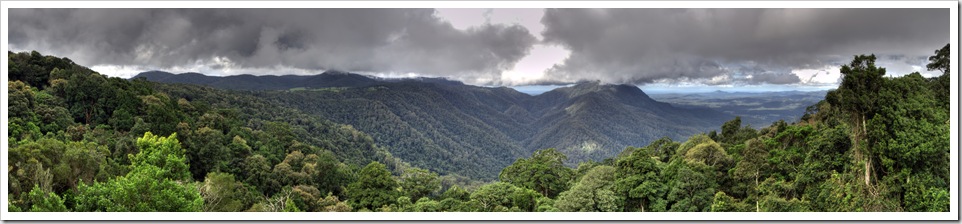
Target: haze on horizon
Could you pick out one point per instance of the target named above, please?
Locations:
(736, 49)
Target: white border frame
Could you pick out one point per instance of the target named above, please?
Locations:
(953, 213)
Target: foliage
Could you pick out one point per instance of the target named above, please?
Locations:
(593, 193)
(222, 193)
(418, 183)
(543, 172)
(640, 180)
(502, 197)
(41, 201)
(157, 182)
(374, 188)
(80, 141)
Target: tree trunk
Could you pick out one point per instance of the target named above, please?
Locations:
(756, 192)
(868, 158)
(87, 115)
(868, 172)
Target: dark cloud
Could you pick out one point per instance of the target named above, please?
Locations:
(366, 40)
(754, 74)
(708, 45)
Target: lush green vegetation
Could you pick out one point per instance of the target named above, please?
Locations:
(453, 128)
(80, 141)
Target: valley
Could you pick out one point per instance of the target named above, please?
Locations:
(81, 141)
(470, 130)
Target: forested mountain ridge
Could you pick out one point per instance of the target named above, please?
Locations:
(269, 82)
(71, 131)
(430, 125)
(590, 119)
(473, 131)
(82, 142)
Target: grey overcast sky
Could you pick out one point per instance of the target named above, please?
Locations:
(684, 47)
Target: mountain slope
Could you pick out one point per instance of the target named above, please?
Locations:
(267, 82)
(475, 131)
(593, 121)
(457, 129)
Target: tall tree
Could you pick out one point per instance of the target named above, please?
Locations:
(375, 188)
(753, 165)
(417, 183)
(502, 197)
(222, 193)
(857, 94)
(158, 181)
(639, 178)
(543, 172)
(595, 192)
(941, 60)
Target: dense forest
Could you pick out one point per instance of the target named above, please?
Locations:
(453, 128)
(80, 141)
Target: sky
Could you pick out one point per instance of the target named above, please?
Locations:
(710, 49)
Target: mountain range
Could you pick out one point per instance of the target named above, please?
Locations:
(470, 130)
(756, 109)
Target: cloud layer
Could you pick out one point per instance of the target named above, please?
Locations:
(639, 46)
(722, 46)
(394, 41)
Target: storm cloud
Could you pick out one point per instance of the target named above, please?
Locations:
(725, 46)
(637, 46)
(396, 41)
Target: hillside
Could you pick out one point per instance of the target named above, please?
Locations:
(79, 141)
(456, 128)
(88, 127)
(594, 121)
(453, 129)
(251, 82)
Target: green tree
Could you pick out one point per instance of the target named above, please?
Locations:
(222, 193)
(290, 206)
(664, 148)
(595, 192)
(162, 152)
(639, 178)
(86, 94)
(729, 129)
(44, 201)
(332, 204)
(941, 60)
(753, 166)
(426, 205)
(501, 196)
(418, 183)
(543, 172)
(208, 152)
(725, 203)
(691, 187)
(374, 188)
(857, 95)
(708, 153)
(328, 173)
(156, 182)
(257, 172)
(21, 98)
(456, 193)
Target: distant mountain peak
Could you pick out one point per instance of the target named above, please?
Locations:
(153, 75)
(587, 87)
